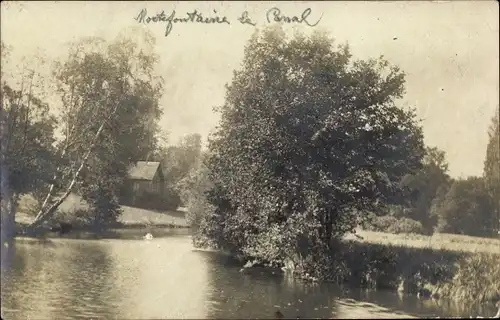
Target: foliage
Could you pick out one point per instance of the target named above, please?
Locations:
(425, 185)
(492, 167)
(309, 141)
(179, 160)
(468, 277)
(395, 225)
(27, 128)
(477, 278)
(467, 209)
(113, 83)
(150, 200)
(27, 136)
(193, 189)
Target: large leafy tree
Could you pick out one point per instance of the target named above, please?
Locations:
(492, 167)
(27, 137)
(308, 141)
(109, 119)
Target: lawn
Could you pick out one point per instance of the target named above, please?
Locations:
(130, 215)
(449, 242)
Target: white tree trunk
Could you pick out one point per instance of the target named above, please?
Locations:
(52, 187)
(46, 214)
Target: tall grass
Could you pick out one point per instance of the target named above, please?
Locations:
(466, 269)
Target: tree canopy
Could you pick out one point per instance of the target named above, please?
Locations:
(425, 185)
(309, 141)
(109, 115)
(467, 209)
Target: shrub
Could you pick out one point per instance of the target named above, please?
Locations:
(193, 190)
(170, 200)
(395, 225)
(151, 200)
(78, 218)
(406, 225)
(477, 278)
(382, 224)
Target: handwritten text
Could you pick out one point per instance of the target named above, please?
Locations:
(192, 17)
(272, 15)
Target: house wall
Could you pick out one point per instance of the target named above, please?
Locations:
(139, 187)
(154, 186)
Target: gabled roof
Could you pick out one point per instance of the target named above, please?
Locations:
(143, 170)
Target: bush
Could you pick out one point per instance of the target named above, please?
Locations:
(170, 200)
(395, 225)
(406, 225)
(78, 218)
(193, 190)
(470, 278)
(381, 224)
(151, 200)
(477, 278)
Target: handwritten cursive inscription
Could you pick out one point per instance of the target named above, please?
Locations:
(272, 15)
(245, 19)
(275, 15)
(192, 17)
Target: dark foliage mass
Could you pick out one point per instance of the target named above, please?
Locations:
(309, 142)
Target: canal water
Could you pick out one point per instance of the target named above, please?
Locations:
(124, 276)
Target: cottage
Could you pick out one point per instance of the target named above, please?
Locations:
(145, 176)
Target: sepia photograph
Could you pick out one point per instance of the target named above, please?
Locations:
(250, 160)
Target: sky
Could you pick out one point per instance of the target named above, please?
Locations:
(448, 50)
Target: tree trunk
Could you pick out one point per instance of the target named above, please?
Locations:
(52, 186)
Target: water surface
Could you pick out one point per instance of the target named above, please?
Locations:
(130, 278)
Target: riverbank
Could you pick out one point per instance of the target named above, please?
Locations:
(442, 267)
(456, 267)
(460, 275)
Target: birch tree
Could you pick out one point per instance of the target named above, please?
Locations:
(109, 96)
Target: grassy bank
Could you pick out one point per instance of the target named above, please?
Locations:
(470, 277)
(442, 267)
(460, 268)
(438, 241)
(130, 218)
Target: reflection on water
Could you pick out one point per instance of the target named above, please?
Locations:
(130, 278)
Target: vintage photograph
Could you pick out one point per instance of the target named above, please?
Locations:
(250, 160)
